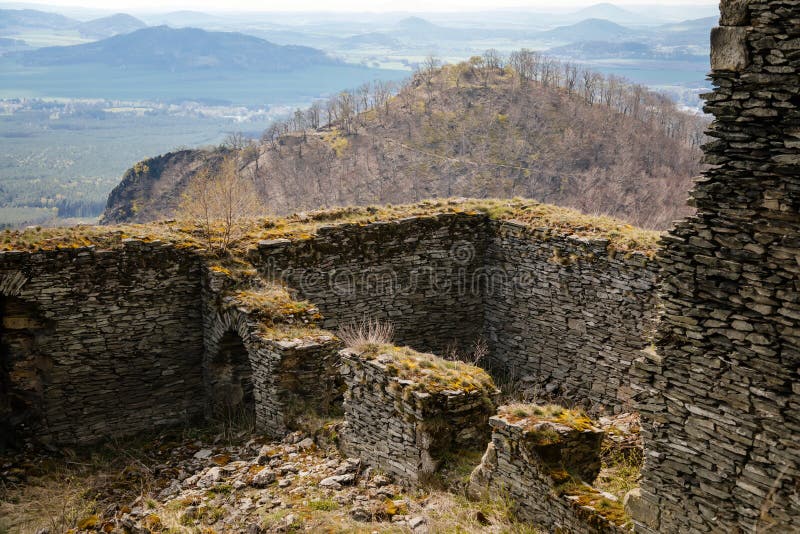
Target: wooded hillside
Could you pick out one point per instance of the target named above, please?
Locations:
(531, 128)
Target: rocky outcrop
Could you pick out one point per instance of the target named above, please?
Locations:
(153, 187)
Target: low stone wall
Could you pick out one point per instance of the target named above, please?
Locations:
(415, 272)
(567, 315)
(408, 425)
(146, 323)
(544, 464)
(104, 343)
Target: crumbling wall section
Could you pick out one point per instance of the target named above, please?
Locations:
(293, 366)
(407, 426)
(417, 273)
(545, 464)
(720, 398)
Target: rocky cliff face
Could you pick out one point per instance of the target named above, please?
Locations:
(163, 178)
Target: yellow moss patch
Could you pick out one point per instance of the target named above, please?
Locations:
(530, 414)
(272, 303)
(585, 495)
(88, 522)
(431, 373)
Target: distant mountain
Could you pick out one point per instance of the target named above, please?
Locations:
(592, 50)
(110, 26)
(31, 19)
(606, 11)
(420, 30)
(183, 19)
(416, 24)
(12, 45)
(687, 32)
(165, 48)
(589, 30)
(371, 39)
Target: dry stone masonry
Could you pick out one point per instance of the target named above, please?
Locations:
(105, 343)
(720, 398)
(544, 459)
(567, 315)
(271, 375)
(415, 272)
(99, 343)
(149, 318)
(406, 411)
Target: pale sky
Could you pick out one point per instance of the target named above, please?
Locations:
(355, 5)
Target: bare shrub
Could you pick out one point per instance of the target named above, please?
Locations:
(474, 356)
(219, 202)
(360, 335)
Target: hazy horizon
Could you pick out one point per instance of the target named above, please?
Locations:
(345, 6)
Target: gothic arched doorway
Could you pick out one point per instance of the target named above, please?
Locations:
(230, 381)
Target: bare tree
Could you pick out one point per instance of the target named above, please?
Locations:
(492, 59)
(235, 141)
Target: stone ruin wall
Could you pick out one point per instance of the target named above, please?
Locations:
(546, 468)
(138, 329)
(720, 398)
(416, 273)
(567, 315)
(399, 426)
(564, 314)
(105, 343)
(285, 377)
(108, 343)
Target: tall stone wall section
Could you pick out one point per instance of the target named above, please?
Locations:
(565, 314)
(114, 346)
(415, 272)
(720, 398)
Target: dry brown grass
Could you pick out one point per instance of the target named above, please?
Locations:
(62, 493)
(451, 513)
(366, 333)
(530, 414)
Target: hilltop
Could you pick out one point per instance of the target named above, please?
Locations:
(590, 30)
(168, 48)
(109, 26)
(460, 130)
(26, 19)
